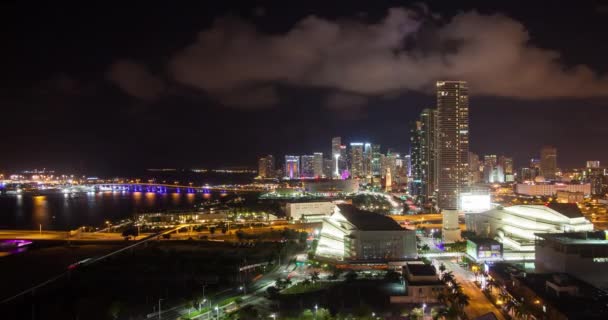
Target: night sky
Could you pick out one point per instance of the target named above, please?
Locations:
(109, 88)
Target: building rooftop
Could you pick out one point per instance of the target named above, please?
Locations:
(589, 303)
(569, 210)
(421, 269)
(486, 241)
(589, 238)
(368, 221)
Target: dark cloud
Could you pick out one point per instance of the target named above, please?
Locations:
(250, 98)
(492, 52)
(343, 100)
(136, 80)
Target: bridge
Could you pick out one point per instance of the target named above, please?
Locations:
(165, 188)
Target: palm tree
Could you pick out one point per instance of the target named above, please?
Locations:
(462, 300)
(442, 268)
(449, 313)
(306, 282)
(314, 277)
(447, 277)
(521, 311)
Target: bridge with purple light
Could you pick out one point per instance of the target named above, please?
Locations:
(175, 188)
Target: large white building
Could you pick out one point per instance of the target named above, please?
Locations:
(550, 189)
(515, 226)
(309, 211)
(351, 235)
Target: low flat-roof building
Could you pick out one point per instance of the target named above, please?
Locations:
(421, 283)
(550, 189)
(484, 249)
(309, 211)
(551, 295)
(583, 255)
(354, 235)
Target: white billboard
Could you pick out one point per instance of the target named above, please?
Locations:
(474, 202)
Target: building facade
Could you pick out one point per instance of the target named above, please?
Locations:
(292, 167)
(548, 162)
(583, 255)
(453, 151)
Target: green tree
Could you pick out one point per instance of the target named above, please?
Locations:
(442, 268)
(351, 276)
(114, 309)
(392, 276)
(314, 276)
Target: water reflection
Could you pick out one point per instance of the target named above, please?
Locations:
(90, 209)
(40, 211)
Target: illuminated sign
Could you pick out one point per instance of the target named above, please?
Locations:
(474, 202)
(601, 260)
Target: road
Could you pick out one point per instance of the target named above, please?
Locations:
(478, 303)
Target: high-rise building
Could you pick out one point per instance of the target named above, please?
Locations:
(356, 158)
(593, 164)
(489, 164)
(292, 167)
(548, 162)
(453, 151)
(474, 168)
(318, 165)
(376, 165)
(423, 150)
(266, 167)
(507, 166)
(336, 143)
(307, 166)
(367, 159)
(328, 167)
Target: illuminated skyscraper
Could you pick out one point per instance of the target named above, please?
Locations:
(453, 151)
(376, 165)
(336, 142)
(367, 159)
(548, 162)
(593, 164)
(292, 167)
(266, 167)
(474, 168)
(356, 158)
(307, 166)
(318, 164)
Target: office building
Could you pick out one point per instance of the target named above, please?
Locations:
(318, 165)
(423, 149)
(328, 167)
(453, 151)
(583, 255)
(548, 162)
(292, 167)
(507, 167)
(266, 167)
(593, 164)
(356, 159)
(475, 169)
(307, 166)
(416, 185)
(550, 189)
(515, 226)
(355, 235)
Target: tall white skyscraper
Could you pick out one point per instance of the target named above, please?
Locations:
(318, 164)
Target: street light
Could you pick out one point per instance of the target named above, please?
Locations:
(423, 308)
(217, 312)
(316, 308)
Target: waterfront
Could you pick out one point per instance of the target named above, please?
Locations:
(59, 211)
